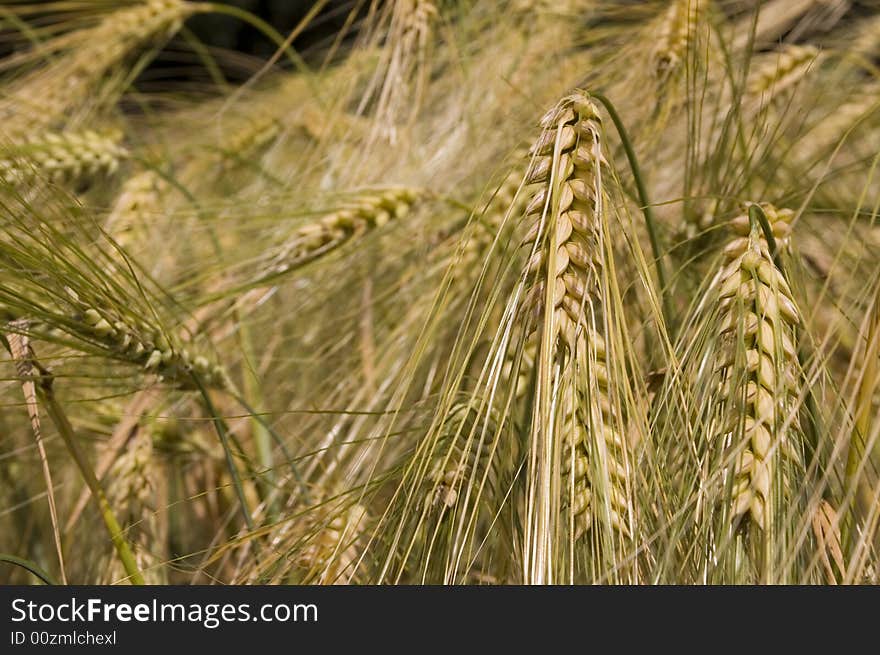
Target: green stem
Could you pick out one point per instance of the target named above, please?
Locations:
(646, 206)
(27, 565)
(756, 214)
(261, 26)
(279, 442)
(262, 439)
(220, 426)
(202, 52)
(62, 424)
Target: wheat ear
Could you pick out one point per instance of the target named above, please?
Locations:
(143, 346)
(64, 158)
(565, 305)
(47, 96)
(399, 81)
(782, 71)
(331, 552)
(836, 126)
(367, 212)
(137, 205)
(675, 33)
(252, 138)
(461, 452)
(131, 491)
(759, 380)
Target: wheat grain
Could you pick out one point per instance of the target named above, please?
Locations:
(780, 220)
(576, 200)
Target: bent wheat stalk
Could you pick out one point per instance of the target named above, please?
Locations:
(46, 392)
(19, 348)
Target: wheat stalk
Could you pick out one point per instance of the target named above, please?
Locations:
(19, 348)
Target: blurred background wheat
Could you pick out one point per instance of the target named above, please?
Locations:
(437, 291)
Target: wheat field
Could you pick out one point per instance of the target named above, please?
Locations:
(466, 292)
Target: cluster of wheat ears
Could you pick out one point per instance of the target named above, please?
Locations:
(468, 292)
